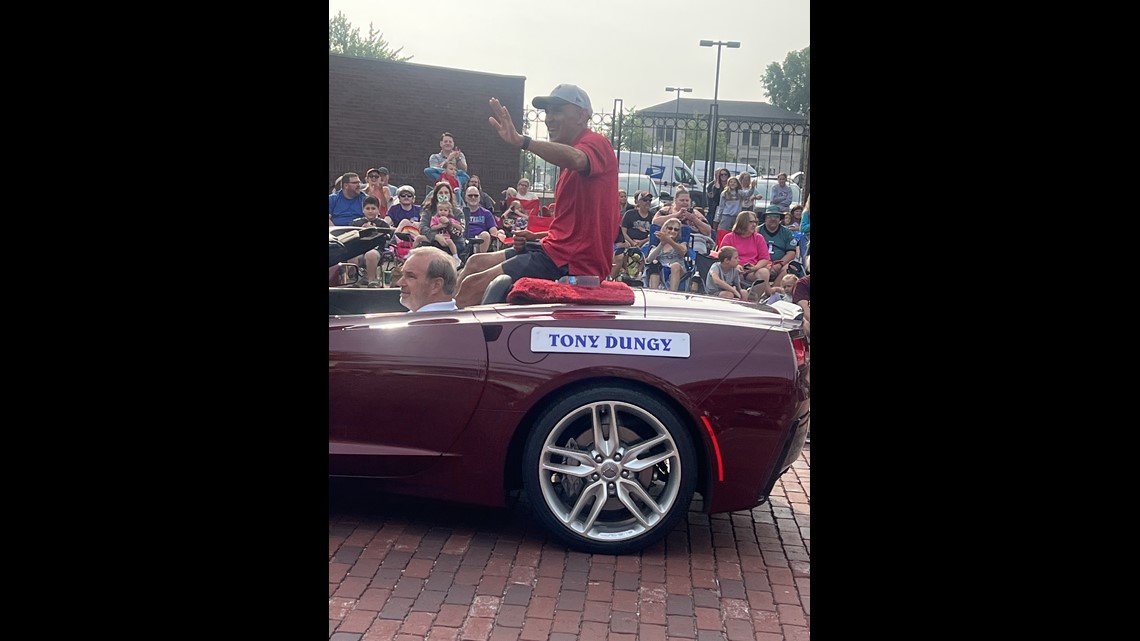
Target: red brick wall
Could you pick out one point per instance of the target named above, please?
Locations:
(391, 114)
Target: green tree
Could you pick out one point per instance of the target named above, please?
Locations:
(693, 144)
(633, 134)
(789, 86)
(346, 40)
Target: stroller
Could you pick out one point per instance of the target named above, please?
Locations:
(396, 251)
(632, 272)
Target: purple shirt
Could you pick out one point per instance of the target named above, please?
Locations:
(479, 221)
(398, 215)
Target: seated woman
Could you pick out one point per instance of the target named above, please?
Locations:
(753, 251)
(523, 194)
(441, 193)
(669, 252)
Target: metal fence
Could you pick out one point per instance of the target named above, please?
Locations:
(768, 146)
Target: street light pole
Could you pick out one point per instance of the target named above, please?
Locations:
(716, 105)
(677, 112)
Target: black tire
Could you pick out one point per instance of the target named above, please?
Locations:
(652, 461)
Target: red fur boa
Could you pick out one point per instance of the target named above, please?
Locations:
(537, 290)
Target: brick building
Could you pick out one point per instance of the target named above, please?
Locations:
(391, 114)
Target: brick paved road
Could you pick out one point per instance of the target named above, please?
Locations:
(410, 569)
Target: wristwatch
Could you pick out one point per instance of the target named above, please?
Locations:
(526, 142)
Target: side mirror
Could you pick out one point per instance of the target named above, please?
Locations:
(666, 198)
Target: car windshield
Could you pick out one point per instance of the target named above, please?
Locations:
(682, 175)
(764, 188)
(633, 183)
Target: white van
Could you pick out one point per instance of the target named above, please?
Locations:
(734, 167)
(666, 171)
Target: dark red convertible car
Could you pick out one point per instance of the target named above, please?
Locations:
(608, 416)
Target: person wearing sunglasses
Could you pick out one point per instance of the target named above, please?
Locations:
(682, 210)
(755, 261)
(405, 208)
(635, 225)
(782, 243)
(485, 199)
(479, 220)
(669, 252)
(378, 186)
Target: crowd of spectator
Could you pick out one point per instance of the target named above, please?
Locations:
(748, 253)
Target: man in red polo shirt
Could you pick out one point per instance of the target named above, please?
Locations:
(580, 240)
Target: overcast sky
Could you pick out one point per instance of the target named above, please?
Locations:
(610, 48)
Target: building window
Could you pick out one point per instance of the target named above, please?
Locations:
(779, 140)
(665, 134)
(750, 138)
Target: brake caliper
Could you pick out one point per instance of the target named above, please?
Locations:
(571, 485)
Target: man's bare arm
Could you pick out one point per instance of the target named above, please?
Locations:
(562, 155)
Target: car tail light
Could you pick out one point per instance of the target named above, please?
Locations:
(800, 347)
(716, 448)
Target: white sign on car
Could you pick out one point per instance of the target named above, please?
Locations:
(593, 340)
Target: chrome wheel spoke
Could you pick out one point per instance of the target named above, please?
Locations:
(625, 493)
(641, 464)
(648, 444)
(577, 455)
(569, 470)
(597, 490)
(605, 444)
(635, 464)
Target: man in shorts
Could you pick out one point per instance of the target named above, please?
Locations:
(581, 236)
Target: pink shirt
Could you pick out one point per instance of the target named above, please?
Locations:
(752, 249)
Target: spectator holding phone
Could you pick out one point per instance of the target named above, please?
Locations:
(681, 209)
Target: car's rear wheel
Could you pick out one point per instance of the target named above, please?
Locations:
(609, 470)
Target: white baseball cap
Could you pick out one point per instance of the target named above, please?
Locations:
(570, 94)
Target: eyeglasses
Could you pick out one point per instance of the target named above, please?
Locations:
(647, 199)
(406, 195)
(672, 229)
(472, 195)
(373, 176)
